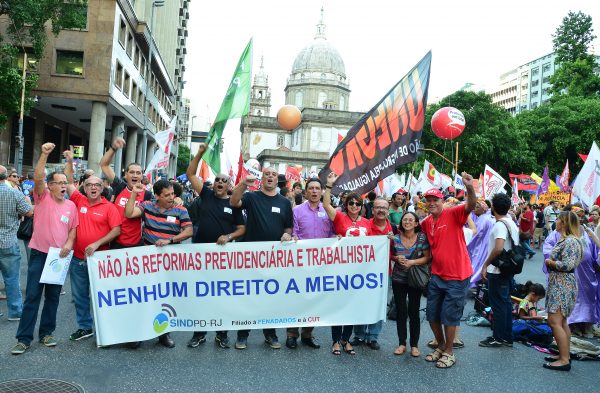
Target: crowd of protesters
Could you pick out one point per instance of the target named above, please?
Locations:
(457, 237)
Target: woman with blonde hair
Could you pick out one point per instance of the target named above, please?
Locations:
(562, 286)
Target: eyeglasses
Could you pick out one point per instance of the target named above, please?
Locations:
(221, 180)
(60, 183)
(354, 203)
(14, 175)
(93, 185)
(380, 208)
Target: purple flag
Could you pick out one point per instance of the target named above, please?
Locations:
(545, 182)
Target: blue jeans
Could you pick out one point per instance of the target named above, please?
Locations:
(526, 244)
(368, 332)
(33, 296)
(80, 286)
(499, 296)
(10, 266)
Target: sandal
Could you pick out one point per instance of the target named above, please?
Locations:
(414, 352)
(458, 344)
(400, 350)
(349, 351)
(432, 344)
(434, 356)
(336, 351)
(446, 361)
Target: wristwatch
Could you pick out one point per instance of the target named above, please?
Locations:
(171, 241)
(229, 237)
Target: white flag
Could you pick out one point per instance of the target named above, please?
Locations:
(492, 182)
(164, 139)
(587, 184)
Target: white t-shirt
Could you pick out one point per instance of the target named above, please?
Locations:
(499, 232)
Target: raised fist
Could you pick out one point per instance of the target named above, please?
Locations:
(139, 188)
(331, 179)
(68, 154)
(48, 147)
(118, 143)
(249, 180)
(201, 148)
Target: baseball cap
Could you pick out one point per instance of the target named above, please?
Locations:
(433, 192)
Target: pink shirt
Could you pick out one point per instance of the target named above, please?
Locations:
(52, 222)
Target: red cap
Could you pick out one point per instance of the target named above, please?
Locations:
(434, 192)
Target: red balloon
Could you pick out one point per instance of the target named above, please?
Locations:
(448, 123)
(289, 117)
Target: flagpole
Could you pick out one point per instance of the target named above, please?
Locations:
(412, 174)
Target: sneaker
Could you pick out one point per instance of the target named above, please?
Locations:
(596, 331)
(491, 342)
(241, 343)
(19, 348)
(222, 341)
(357, 342)
(273, 342)
(373, 344)
(80, 334)
(17, 318)
(48, 341)
(196, 340)
(507, 343)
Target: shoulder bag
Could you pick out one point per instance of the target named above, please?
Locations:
(419, 275)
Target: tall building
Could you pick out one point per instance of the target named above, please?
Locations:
(121, 75)
(505, 94)
(319, 87)
(185, 122)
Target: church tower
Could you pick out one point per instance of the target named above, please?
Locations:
(260, 100)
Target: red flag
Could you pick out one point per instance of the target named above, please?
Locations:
(563, 180)
(583, 156)
(240, 169)
(203, 173)
(524, 182)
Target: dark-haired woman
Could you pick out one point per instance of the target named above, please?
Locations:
(410, 249)
(347, 223)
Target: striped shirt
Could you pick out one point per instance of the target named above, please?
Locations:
(162, 224)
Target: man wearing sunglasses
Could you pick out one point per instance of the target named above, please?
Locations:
(99, 224)
(54, 225)
(269, 218)
(217, 222)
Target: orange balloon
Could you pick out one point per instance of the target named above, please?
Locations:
(289, 117)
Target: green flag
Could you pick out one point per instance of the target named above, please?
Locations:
(235, 105)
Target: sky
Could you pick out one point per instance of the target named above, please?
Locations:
(471, 42)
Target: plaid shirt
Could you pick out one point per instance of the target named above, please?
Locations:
(12, 203)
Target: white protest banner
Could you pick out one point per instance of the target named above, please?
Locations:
(56, 268)
(164, 140)
(587, 183)
(142, 292)
(492, 183)
(458, 182)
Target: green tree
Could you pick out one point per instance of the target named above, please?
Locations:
(560, 130)
(183, 159)
(26, 21)
(490, 137)
(572, 42)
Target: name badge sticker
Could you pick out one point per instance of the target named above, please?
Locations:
(64, 219)
(275, 210)
(321, 214)
(227, 210)
(83, 210)
(171, 219)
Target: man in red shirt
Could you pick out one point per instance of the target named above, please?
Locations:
(450, 269)
(99, 224)
(526, 229)
(131, 228)
(380, 225)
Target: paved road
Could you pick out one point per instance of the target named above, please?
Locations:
(259, 368)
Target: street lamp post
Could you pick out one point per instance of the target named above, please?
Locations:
(19, 141)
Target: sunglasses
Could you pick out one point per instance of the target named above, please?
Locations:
(354, 203)
(221, 180)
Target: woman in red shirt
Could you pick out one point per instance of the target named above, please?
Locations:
(348, 223)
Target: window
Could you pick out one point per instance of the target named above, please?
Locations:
(535, 83)
(134, 93)
(534, 105)
(535, 71)
(69, 62)
(79, 19)
(32, 61)
(298, 99)
(143, 67)
(136, 56)
(322, 98)
(141, 101)
(546, 68)
(126, 85)
(130, 45)
(280, 140)
(546, 79)
(342, 103)
(525, 86)
(119, 76)
(534, 94)
(122, 33)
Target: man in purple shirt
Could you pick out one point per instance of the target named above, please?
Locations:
(310, 222)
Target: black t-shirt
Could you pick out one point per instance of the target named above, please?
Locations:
(214, 216)
(267, 216)
(540, 219)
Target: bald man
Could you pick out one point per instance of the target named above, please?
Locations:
(99, 224)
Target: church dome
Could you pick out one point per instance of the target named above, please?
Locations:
(320, 56)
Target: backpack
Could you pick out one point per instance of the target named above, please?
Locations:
(532, 332)
(510, 262)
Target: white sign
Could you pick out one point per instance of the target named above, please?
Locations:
(493, 183)
(140, 293)
(56, 268)
(587, 184)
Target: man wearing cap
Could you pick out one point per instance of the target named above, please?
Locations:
(450, 269)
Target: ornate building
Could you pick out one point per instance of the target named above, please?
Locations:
(318, 86)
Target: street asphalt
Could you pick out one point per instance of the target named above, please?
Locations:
(261, 369)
